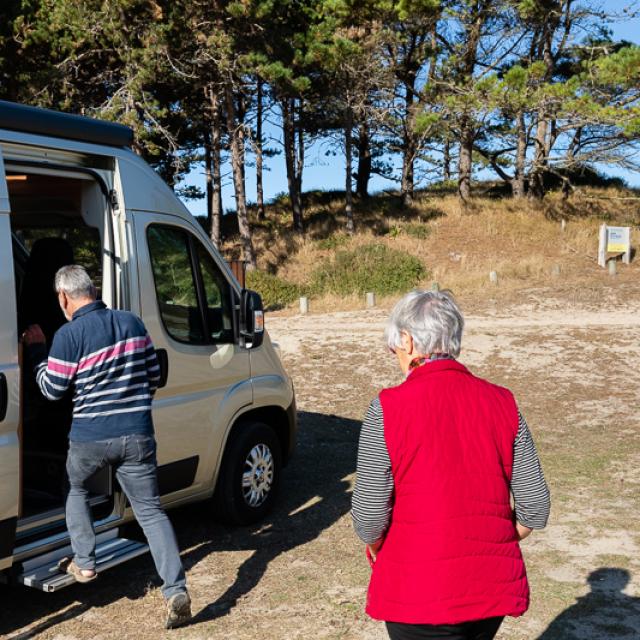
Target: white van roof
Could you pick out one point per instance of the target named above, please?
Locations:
(20, 117)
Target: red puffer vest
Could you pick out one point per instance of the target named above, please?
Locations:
(451, 553)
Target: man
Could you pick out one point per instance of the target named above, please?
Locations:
(108, 359)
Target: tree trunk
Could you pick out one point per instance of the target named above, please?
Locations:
(288, 130)
(446, 161)
(409, 147)
(299, 157)
(465, 159)
(364, 162)
(237, 162)
(259, 169)
(348, 209)
(518, 184)
(212, 159)
(536, 187)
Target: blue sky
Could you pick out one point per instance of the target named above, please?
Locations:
(325, 165)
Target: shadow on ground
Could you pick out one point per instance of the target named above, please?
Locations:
(314, 495)
(605, 612)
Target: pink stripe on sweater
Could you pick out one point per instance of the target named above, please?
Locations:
(110, 354)
(65, 370)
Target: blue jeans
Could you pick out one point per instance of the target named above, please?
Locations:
(134, 459)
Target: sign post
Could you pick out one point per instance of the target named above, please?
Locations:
(614, 241)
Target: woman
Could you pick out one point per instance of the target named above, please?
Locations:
(440, 457)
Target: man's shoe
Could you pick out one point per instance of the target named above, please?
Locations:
(178, 610)
(67, 565)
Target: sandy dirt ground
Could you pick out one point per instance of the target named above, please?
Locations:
(573, 363)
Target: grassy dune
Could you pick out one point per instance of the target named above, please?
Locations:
(523, 241)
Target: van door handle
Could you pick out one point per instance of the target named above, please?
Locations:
(4, 397)
(163, 362)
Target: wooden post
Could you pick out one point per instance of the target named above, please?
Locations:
(493, 277)
(612, 266)
(555, 270)
(304, 305)
(371, 299)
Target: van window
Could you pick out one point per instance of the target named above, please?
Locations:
(193, 295)
(217, 298)
(175, 283)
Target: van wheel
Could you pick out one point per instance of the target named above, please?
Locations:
(250, 474)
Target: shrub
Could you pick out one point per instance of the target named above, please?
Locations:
(332, 242)
(417, 230)
(372, 267)
(276, 292)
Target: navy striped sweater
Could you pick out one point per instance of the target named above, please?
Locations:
(108, 359)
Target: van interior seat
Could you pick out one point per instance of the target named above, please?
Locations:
(38, 302)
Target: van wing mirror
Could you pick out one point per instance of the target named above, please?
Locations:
(251, 319)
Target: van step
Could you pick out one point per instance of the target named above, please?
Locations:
(42, 572)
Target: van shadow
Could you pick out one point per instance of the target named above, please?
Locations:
(604, 612)
(314, 494)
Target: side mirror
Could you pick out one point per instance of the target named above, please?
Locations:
(251, 319)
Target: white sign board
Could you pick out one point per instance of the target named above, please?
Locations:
(614, 241)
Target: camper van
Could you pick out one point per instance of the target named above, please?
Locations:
(73, 191)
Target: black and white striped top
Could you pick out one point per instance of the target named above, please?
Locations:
(373, 493)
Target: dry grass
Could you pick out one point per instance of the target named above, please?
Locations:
(459, 244)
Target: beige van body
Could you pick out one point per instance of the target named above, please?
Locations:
(225, 416)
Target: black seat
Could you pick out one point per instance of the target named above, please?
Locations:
(38, 302)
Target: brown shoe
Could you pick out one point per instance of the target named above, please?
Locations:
(67, 565)
(178, 610)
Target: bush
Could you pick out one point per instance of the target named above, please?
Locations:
(372, 267)
(332, 242)
(276, 292)
(417, 230)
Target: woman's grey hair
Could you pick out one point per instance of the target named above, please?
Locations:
(431, 318)
(75, 282)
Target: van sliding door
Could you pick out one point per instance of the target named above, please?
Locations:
(9, 386)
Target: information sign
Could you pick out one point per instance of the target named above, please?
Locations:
(614, 241)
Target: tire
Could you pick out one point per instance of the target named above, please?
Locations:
(250, 474)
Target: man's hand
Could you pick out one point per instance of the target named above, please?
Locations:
(33, 335)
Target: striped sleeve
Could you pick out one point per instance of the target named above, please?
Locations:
(153, 368)
(529, 488)
(372, 500)
(56, 374)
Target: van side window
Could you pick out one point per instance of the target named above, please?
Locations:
(217, 298)
(193, 295)
(175, 281)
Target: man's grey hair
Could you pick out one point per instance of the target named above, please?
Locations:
(75, 282)
(431, 318)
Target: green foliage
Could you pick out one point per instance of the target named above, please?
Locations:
(416, 230)
(276, 292)
(372, 267)
(332, 242)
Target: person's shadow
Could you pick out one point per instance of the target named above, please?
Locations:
(604, 613)
(314, 494)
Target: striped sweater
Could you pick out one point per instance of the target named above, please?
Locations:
(372, 500)
(107, 358)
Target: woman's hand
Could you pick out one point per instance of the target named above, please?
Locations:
(373, 550)
(523, 531)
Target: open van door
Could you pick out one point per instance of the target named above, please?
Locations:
(9, 386)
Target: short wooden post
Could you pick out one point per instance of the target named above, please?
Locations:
(612, 266)
(304, 305)
(493, 277)
(555, 270)
(563, 225)
(371, 299)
